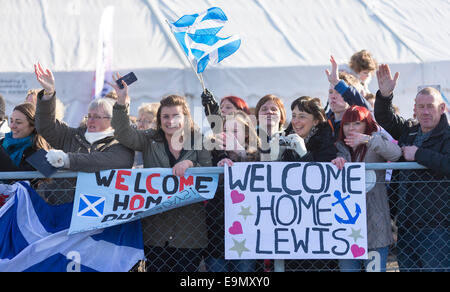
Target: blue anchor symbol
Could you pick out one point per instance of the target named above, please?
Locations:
(350, 219)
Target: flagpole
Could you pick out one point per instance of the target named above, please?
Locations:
(199, 75)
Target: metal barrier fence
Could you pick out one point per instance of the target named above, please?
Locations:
(419, 210)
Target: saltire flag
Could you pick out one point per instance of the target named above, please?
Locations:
(103, 71)
(33, 237)
(197, 35)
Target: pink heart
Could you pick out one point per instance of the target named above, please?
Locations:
(236, 228)
(237, 197)
(357, 251)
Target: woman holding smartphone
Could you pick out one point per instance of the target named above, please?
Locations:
(173, 240)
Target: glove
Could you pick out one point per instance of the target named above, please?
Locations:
(58, 158)
(297, 144)
(207, 97)
(210, 104)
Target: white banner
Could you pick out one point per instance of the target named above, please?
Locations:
(301, 210)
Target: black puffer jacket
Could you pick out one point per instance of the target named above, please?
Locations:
(320, 147)
(423, 195)
(6, 163)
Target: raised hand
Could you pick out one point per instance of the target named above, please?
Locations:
(333, 77)
(45, 78)
(122, 94)
(386, 83)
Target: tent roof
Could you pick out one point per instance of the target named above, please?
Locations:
(63, 34)
(285, 48)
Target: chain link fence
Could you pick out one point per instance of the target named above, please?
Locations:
(419, 210)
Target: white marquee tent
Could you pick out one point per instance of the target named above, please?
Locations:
(285, 48)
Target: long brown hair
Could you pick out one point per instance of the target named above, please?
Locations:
(29, 110)
(174, 100)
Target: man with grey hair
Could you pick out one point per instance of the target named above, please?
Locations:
(423, 195)
(3, 119)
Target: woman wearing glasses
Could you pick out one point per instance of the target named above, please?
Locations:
(88, 148)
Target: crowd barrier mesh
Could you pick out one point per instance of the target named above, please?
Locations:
(417, 246)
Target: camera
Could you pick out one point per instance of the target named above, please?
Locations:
(284, 141)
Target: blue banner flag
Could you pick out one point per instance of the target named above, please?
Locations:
(197, 36)
(117, 196)
(34, 237)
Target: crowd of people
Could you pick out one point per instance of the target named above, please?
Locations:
(358, 127)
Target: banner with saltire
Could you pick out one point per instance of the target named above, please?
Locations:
(117, 196)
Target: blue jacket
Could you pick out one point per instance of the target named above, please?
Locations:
(351, 96)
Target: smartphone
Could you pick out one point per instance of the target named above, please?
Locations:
(129, 79)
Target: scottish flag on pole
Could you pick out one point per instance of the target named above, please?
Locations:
(33, 237)
(197, 35)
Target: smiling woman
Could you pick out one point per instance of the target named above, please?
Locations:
(180, 233)
(310, 125)
(22, 141)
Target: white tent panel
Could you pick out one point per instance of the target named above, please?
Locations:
(285, 48)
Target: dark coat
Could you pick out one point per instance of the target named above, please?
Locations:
(320, 147)
(104, 154)
(423, 195)
(215, 208)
